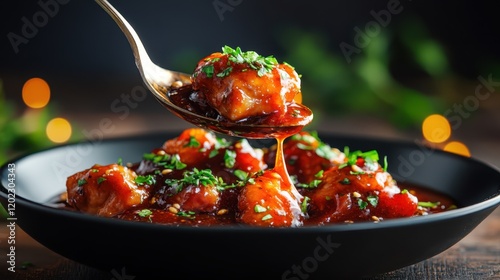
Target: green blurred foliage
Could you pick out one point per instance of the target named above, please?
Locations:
(21, 132)
(366, 85)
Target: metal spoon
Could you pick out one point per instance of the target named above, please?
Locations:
(160, 80)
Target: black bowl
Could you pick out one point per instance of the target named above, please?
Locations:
(341, 250)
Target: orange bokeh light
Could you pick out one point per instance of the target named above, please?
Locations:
(58, 130)
(36, 93)
(457, 148)
(436, 128)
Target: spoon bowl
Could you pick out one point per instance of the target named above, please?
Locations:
(160, 81)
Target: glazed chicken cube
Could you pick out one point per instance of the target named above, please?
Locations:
(104, 190)
(241, 85)
(265, 203)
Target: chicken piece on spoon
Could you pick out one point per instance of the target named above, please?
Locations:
(244, 85)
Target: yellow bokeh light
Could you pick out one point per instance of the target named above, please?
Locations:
(457, 148)
(58, 130)
(36, 93)
(436, 128)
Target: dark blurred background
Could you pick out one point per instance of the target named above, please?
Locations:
(374, 68)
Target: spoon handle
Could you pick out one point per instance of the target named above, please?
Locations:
(140, 54)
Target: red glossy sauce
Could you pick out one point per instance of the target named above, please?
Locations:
(342, 196)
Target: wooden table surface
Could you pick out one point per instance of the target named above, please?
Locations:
(477, 256)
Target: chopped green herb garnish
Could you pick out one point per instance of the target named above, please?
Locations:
(213, 153)
(305, 147)
(345, 181)
(208, 70)
(166, 161)
(255, 61)
(304, 204)
(81, 182)
(225, 72)
(145, 213)
(428, 204)
(325, 151)
(370, 157)
(404, 191)
(176, 161)
(145, 180)
(240, 174)
(200, 177)
(120, 161)
(259, 208)
(386, 164)
(187, 214)
(362, 204)
(100, 180)
(373, 200)
(267, 217)
(192, 142)
(319, 174)
(243, 179)
(195, 177)
(304, 137)
(221, 143)
(313, 184)
(229, 158)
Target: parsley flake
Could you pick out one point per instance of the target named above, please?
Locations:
(208, 70)
(428, 204)
(362, 204)
(193, 143)
(304, 204)
(100, 180)
(259, 208)
(144, 213)
(267, 217)
(145, 180)
(166, 161)
(345, 181)
(81, 182)
(261, 64)
(229, 158)
(373, 200)
(187, 214)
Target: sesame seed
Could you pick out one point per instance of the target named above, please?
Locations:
(176, 205)
(161, 153)
(356, 168)
(375, 218)
(166, 171)
(275, 175)
(177, 84)
(222, 211)
(173, 210)
(348, 221)
(356, 194)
